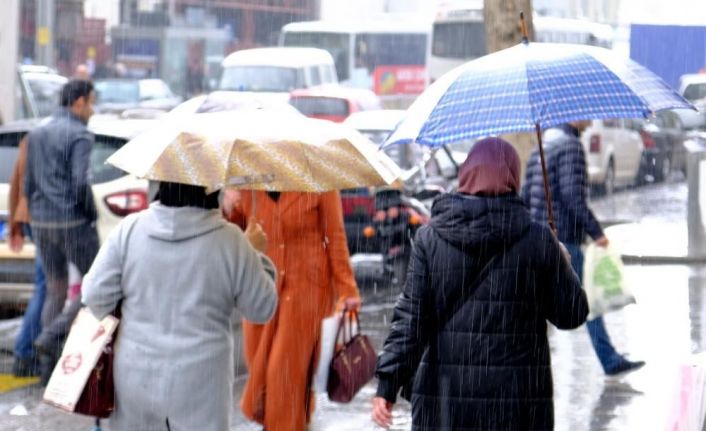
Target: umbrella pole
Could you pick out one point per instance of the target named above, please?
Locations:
(547, 191)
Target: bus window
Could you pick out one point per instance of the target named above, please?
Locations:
(335, 43)
(388, 49)
(463, 40)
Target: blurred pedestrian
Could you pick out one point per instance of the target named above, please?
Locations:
(175, 272)
(61, 205)
(568, 183)
(82, 72)
(469, 331)
(26, 358)
(307, 244)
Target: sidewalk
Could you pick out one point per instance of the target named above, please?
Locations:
(648, 224)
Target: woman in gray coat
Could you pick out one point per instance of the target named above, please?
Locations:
(177, 270)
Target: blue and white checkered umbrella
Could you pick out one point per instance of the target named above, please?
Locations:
(532, 86)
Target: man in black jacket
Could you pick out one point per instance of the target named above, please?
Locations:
(568, 183)
(61, 206)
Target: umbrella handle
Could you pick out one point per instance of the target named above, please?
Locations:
(547, 191)
(523, 27)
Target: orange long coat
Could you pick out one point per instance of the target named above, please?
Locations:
(307, 244)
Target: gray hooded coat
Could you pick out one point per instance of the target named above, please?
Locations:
(179, 273)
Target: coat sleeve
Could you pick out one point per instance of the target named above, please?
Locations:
(81, 175)
(572, 189)
(101, 289)
(564, 301)
(337, 246)
(255, 286)
(409, 335)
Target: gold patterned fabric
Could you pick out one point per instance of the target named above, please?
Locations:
(256, 149)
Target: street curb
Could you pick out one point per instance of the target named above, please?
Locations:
(629, 259)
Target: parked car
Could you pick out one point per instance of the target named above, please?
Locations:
(333, 102)
(116, 195)
(663, 142)
(275, 72)
(693, 88)
(613, 153)
(118, 95)
(38, 90)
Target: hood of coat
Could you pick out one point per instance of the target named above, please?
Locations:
(181, 223)
(468, 221)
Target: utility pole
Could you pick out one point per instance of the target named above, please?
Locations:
(44, 38)
(9, 42)
(502, 30)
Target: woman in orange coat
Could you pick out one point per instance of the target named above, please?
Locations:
(307, 244)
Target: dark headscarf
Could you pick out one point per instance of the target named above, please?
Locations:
(183, 195)
(492, 168)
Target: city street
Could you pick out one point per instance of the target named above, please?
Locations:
(664, 328)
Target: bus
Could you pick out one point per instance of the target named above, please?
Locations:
(458, 34)
(387, 55)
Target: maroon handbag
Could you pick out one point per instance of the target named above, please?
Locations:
(98, 396)
(353, 365)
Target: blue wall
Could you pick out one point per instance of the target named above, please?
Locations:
(669, 50)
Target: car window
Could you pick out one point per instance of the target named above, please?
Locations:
(117, 92)
(694, 92)
(152, 89)
(612, 123)
(45, 94)
(9, 147)
(321, 106)
(261, 78)
(103, 148)
(446, 164)
(315, 75)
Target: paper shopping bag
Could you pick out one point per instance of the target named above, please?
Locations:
(327, 345)
(84, 346)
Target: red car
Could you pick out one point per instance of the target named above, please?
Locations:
(333, 102)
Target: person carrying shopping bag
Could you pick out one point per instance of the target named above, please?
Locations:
(568, 183)
(177, 270)
(307, 244)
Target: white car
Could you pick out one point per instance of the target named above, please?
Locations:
(613, 154)
(116, 195)
(275, 72)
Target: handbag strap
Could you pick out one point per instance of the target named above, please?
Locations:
(352, 317)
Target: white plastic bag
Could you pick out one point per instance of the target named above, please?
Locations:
(604, 281)
(327, 345)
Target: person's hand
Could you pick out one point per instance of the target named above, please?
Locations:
(231, 199)
(382, 412)
(256, 236)
(352, 303)
(16, 242)
(602, 242)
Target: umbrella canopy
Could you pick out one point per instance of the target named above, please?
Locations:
(256, 149)
(530, 86)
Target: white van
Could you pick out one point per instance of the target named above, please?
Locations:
(277, 71)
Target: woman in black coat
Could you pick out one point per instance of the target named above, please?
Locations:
(469, 332)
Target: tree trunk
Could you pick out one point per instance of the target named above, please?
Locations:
(502, 30)
(502, 22)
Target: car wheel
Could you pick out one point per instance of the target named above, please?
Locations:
(609, 182)
(661, 172)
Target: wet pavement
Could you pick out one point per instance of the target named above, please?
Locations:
(665, 327)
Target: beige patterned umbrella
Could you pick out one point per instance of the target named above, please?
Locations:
(256, 149)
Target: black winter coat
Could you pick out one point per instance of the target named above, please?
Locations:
(486, 367)
(568, 183)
